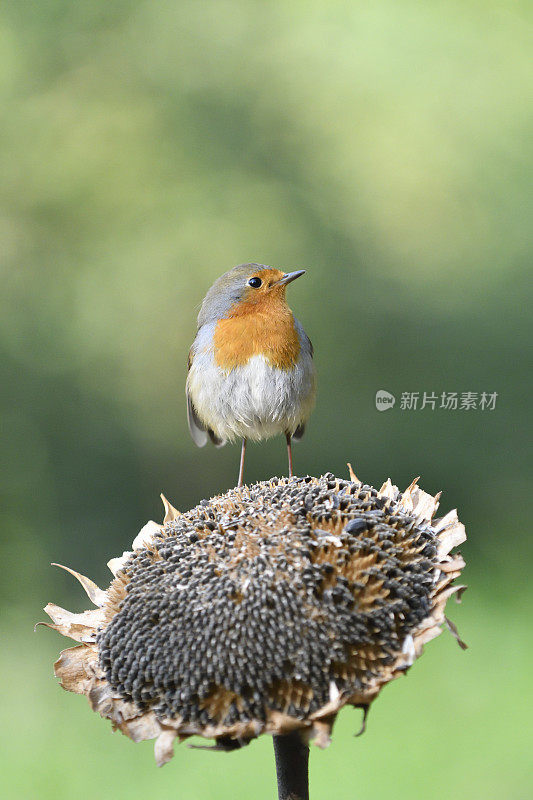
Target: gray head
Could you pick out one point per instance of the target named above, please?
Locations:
(247, 283)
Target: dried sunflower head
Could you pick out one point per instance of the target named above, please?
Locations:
(263, 610)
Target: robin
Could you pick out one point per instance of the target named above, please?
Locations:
(251, 373)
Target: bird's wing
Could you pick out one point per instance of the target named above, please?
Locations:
(300, 430)
(305, 341)
(196, 427)
(199, 432)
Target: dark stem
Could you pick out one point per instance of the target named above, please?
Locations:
(292, 758)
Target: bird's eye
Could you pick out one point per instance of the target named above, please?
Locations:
(255, 283)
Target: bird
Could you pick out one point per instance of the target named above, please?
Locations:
(250, 374)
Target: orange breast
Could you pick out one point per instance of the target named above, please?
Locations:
(265, 329)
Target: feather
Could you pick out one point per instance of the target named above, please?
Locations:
(217, 441)
(196, 428)
(299, 432)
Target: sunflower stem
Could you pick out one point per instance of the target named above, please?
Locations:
(292, 759)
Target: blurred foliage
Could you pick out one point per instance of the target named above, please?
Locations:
(145, 148)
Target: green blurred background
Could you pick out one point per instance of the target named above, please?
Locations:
(146, 148)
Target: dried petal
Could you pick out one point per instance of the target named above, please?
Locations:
(94, 593)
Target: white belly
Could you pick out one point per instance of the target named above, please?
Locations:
(254, 401)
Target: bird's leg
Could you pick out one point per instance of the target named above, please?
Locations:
(241, 467)
(288, 436)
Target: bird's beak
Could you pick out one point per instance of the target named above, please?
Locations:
(289, 277)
